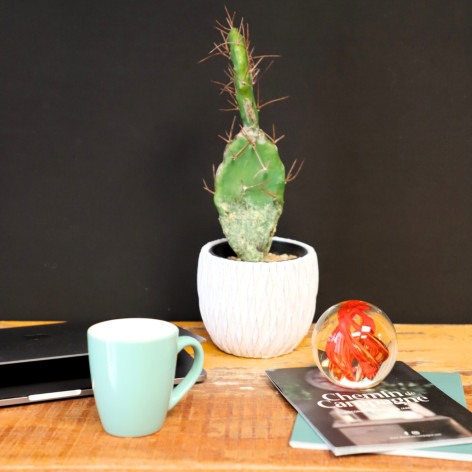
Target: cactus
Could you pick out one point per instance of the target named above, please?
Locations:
(250, 181)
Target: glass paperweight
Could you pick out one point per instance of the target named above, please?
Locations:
(354, 344)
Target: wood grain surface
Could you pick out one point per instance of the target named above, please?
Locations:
(234, 421)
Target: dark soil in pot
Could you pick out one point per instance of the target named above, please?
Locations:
(279, 251)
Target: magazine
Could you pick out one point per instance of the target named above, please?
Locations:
(404, 411)
(305, 437)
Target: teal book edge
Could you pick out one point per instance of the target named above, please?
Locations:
(304, 437)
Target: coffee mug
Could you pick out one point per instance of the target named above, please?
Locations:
(132, 366)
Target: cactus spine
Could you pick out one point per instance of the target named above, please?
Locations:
(250, 181)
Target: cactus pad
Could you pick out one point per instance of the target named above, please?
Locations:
(250, 181)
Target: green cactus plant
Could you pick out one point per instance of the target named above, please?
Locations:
(250, 181)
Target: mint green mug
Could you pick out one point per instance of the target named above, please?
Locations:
(132, 366)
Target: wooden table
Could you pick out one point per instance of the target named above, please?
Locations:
(235, 421)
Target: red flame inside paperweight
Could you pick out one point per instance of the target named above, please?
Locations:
(354, 344)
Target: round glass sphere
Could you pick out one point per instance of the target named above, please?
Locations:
(354, 344)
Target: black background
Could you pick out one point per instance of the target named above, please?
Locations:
(108, 125)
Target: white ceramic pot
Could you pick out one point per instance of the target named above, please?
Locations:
(257, 309)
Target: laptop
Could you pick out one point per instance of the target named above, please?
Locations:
(50, 362)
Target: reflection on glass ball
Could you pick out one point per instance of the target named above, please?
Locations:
(354, 344)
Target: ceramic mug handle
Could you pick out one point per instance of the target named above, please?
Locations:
(192, 376)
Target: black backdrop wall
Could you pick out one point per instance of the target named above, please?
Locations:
(108, 125)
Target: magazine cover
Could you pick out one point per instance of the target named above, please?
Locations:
(305, 437)
(404, 411)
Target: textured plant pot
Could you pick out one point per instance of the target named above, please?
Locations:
(257, 309)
